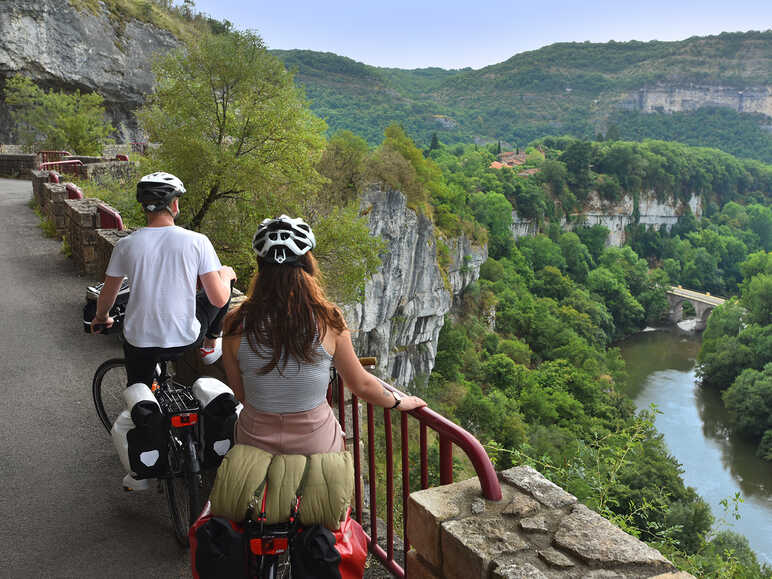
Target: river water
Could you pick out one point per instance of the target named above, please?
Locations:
(693, 422)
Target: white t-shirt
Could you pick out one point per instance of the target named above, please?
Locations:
(163, 265)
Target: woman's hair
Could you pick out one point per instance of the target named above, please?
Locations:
(285, 310)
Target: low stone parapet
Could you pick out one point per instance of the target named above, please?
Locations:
(38, 179)
(82, 220)
(537, 530)
(106, 169)
(16, 165)
(105, 241)
(51, 203)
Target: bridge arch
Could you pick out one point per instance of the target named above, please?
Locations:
(703, 305)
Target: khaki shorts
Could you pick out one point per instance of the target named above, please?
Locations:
(310, 432)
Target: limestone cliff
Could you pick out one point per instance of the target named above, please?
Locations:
(616, 216)
(60, 47)
(674, 98)
(406, 300)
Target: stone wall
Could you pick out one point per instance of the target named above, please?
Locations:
(537, 530)
(77, 222)
(16, 164)
(110, 169)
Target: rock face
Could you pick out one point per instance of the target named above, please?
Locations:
(59, 47)
(616, 216)
(671, 99)
(405, 303)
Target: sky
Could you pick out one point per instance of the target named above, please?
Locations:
(456, 34)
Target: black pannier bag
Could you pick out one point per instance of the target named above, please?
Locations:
(218, 549)
(314, 555)
(147, 441)
(219, 422)
(218, 418)
(118, 310)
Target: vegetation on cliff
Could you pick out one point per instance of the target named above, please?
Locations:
(180, 20)
(528, 366)
(55, 120)
(565, 88)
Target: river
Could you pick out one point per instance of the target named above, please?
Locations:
(661, 366)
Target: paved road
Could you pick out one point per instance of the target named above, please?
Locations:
(63, 512)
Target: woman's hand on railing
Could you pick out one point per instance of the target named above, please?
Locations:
(410, 403)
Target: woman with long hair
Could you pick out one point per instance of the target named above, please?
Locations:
(280, 344)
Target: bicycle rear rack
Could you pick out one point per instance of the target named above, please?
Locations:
(176, 399)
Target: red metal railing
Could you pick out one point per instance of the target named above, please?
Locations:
(70, 166)
(109, 218)
(73, 191)
(448, 433)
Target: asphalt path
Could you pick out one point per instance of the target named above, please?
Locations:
(63, 511)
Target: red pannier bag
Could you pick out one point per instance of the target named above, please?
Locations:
(351, 543)
(217, 547)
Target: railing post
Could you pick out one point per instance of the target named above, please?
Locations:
(446, 461)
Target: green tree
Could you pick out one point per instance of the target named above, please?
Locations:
(55, 119)
(757, 297)
(749, 402)
(577, 256)
(232, 125)
(343, 163)
(495, 212)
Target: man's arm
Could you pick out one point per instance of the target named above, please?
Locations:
(217, 285)
(106, 300)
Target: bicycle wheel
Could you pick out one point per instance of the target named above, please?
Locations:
(183, 487)
(272, 567)
(107, 389)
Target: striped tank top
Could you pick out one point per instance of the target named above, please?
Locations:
(299, 387)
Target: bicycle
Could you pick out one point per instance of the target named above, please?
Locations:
(183, 481)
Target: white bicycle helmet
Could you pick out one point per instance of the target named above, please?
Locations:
(156, 190)
(283, 240)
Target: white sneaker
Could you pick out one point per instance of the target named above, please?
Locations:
(210, 355)
(132, 484)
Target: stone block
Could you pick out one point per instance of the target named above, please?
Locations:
(517, 570)
(417, 568)
(105, 241)
(598, 542)
(555, 559)
(533, 482)
(428, 508)
(470, 545)
(521, 506)
(82, 212)
(674, 575)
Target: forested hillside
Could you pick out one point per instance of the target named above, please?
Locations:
(580, 89)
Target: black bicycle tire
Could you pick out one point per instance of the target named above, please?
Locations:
(97, 391)
(194, 476)
(180, 528)
(175, 487)
(183, 490)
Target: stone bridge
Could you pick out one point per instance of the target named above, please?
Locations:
(703, 304)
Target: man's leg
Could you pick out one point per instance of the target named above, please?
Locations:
(210, 318)
(140, 364)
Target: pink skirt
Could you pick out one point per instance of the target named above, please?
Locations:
(310, 432)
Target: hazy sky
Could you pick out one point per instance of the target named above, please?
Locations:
(476, 33)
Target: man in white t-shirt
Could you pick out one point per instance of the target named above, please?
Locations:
(165, 314)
